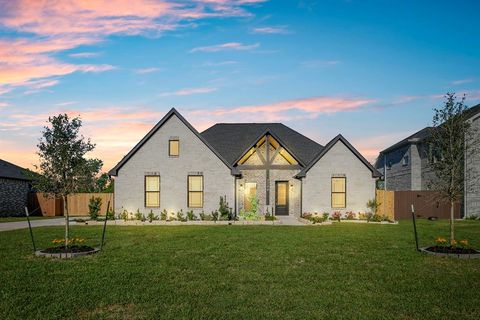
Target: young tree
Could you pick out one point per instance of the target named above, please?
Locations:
(63, 166)
(448, 136)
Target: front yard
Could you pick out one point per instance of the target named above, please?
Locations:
(337, 271)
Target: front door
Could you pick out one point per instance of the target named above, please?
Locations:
(281, 198)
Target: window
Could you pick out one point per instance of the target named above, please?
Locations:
(152, 191)
(195, 191)
(174, 148)
(405, 160)
(339, 198)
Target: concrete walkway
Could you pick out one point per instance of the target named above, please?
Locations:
(6, 226)
(289, 221)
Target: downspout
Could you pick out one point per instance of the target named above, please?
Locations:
(235, 194)
(301, 198)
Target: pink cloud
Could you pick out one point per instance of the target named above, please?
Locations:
(226, 46)
(272, 30)
(188, 91)
(62, 25)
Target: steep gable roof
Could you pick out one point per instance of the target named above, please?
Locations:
(172, 112)
(329, 145)
(10, 171)
(232, 140)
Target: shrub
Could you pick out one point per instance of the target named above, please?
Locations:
(326, 215)
(180, 216)
(139, 215)
(337, 215)
(377, 217)
(215, 215)
(94, 205)
(351, 215)
(163, 215)
(191, 216)
(373, 205)
(269, 217)
(111, 214)
(224, 210)
(151, 216)
(473, 217)
(124, 215)
(205, 217)
(172, 217)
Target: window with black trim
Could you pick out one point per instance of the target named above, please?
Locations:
(152, 191)
(174, 148)
(339, 192)
(405, 160)
(195, 191)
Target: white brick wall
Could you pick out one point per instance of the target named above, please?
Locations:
(316, 193)
(153, 156)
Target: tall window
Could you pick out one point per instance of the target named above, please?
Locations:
(195, 191)
(174, 148)
(152, 191)
(339, 193)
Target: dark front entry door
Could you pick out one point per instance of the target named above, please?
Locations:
(281, 198)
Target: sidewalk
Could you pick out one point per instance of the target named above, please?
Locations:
(7, 226)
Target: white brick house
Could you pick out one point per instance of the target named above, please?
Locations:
(174, 167)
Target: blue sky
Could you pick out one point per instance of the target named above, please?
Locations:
(371, 70)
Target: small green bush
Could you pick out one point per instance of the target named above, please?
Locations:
(124, 215)
(163, 215)
(215, 215)
(94, 205)
(139, 215)
(181, 216)
(191, 216)
(151, 216)
(205, 217)
(111, 214)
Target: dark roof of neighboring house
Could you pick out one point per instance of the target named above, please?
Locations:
(232, 140)
(375, 172)
(10, 171)
(416, 137)
(169, 114)
(425, 132)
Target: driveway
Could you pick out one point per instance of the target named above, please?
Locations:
(6, 226)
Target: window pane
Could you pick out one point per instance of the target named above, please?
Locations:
(195, 199)
(338, 200)
(152, 199)
(174, 147)
(195, 183)
(152, 183)
(338, 184)
(281, 194)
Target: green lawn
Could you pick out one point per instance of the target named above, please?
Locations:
(15, 219)
(220, 272)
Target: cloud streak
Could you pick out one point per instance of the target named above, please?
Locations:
(188, 91)
(271, 30)
(57, 26)
(228, 46)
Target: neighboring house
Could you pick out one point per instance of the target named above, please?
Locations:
(176, 168)
(14, 189)
(406, 165)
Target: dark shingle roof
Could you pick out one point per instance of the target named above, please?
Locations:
(417, 136)
(232, 140)
(425, 132)
(10, 171)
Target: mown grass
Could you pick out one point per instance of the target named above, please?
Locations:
(344, 271)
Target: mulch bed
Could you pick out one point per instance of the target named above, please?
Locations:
(451, 250)
(68, 249)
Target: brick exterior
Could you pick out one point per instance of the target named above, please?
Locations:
(153, 157)
(339, 160)
(13, 197)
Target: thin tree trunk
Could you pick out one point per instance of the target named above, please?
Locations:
(452, 232)
(65, 211)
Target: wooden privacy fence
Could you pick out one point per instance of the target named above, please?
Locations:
(426, 203)
(77, 203)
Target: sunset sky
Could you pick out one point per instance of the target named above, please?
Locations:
(371, 70)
